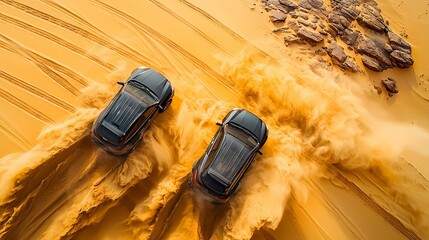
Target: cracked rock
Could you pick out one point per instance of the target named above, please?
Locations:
(403, 59)
(398, 43)
(371, 18)
(372, 64)
(390, 85)
(277, 16)
(336, 52)
(309, 36)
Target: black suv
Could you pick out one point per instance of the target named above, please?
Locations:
(218, 172)
(119, 127)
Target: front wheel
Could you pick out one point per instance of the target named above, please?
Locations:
(167, 104)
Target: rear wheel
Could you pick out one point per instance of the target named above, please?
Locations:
(166, 105)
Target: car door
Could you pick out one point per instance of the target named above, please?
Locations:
(149, 115)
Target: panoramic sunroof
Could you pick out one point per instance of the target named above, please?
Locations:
(230, 159)
(126, 109)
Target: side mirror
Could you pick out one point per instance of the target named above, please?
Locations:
(260, 152)
(219, 124)
(120, 83)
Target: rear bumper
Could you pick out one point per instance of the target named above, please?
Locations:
(110, 149)
(202, 192)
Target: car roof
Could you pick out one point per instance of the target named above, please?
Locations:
(123, 113)
(229, 159)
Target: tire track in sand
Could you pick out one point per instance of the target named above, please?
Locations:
(392, 220)
(145, 28)
(190, 25)
(92, 28)
(214, 20)
(153, 47)
(118, 182)
(24, 106)
(36, 201)
(162, 218)
(73, 15)
(153, 43)
(132, 20)
(158, 4)
(37, 91)
(122, 49)
(12, 133)
(34, 57)
(56, 39)
(39, 61)
(223, 26)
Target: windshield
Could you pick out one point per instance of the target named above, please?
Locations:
(233, 153)
(239, 134)
(140, 92)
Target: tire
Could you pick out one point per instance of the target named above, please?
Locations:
(167, 104)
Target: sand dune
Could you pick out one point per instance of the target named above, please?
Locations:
(341, 162)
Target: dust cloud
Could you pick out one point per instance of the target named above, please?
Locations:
(67, 188)
(189, 145)
(316, 126)
(322, 126)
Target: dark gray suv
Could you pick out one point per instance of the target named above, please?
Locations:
(233, 148)
(119, 127)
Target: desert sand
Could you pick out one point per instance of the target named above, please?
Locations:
(341, 161)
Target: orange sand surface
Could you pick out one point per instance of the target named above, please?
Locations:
(341, 162)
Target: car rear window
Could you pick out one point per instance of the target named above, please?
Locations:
(230, 158)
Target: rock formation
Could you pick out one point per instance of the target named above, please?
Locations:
(390, 85)
(380, 48)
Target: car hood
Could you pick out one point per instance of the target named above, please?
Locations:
(250, 122)
(152, 80)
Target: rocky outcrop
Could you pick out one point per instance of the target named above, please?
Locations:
(379, 47)
(342, 15)
(403, 59)
(350, 36)
(307, 24)
(390, 86)
(340, 58)
(311, 37)
(372, 64)
(287, 5)
(292, 39)
(336, 52)
(371, 48)
(398, 43)
(314, 5)
(371, 18)
(351, 65)
(384, 53)
(401, 50)
(277, 16)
